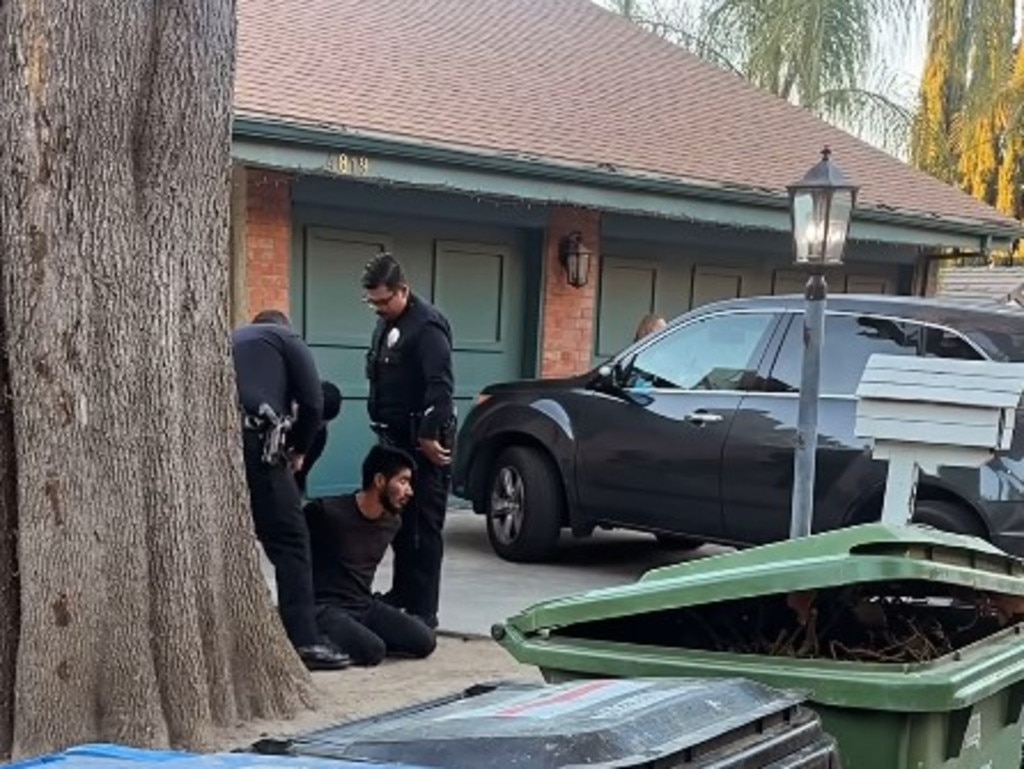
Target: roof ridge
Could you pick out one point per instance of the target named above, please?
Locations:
(574, 84)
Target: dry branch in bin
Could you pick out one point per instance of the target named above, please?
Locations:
(896, 622)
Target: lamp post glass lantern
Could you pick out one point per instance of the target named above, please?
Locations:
(820, 207)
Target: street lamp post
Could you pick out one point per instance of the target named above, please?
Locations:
(820, 206)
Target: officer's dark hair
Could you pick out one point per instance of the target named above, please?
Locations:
(383, 270)
(386, 460)
(275, 317)
(332, 400)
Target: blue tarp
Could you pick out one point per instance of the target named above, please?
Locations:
(103, 756)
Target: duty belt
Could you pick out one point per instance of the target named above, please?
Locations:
(273, 429)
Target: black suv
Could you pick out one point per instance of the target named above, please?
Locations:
(689, 433)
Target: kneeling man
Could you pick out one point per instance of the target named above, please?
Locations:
(349, 536)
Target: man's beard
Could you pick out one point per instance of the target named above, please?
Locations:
(387, 504)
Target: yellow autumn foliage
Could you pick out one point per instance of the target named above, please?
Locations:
(968, 129)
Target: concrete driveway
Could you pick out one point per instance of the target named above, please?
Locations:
(479, 588)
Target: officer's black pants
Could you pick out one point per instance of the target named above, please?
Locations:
(281, 529)
(378, 631)
(419, 546)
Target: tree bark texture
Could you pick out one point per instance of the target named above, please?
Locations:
(131, 602)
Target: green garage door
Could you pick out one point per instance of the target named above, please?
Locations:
(478, 286)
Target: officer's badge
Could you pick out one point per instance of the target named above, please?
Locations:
(392, 338)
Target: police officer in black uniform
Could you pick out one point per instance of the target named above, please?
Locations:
(276, 373)
(409, 366)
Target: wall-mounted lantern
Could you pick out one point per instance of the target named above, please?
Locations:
(575, 259)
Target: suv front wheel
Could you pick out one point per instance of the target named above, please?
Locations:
(948, 516)
(524, 505)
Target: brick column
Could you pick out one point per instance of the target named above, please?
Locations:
(570, 314)
(268, 241)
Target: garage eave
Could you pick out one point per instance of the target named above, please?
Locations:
(282, 145)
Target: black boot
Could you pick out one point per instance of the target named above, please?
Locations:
(323, 657)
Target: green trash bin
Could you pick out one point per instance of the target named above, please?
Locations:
(910, 640)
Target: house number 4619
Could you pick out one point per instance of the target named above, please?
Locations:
(349, 165)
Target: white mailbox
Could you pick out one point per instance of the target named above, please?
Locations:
(924, 413)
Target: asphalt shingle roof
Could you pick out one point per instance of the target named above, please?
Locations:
(557, 80)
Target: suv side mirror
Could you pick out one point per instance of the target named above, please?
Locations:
(614, 375)
(614, 378)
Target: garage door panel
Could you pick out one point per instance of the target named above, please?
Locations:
(712, 285)
(673, 290)
(789, 282)
(479, 288)
(867, 284)
(627, 294)
(469, 284)
(335, 312)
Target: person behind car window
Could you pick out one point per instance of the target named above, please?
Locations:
(649, 324)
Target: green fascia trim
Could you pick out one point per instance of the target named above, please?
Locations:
(259, 141)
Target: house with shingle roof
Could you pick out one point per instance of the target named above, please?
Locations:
(472, 137)
(983, 285)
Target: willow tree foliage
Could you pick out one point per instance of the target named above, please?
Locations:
(970, 118)
(822, 55)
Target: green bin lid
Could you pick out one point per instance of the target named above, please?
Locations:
(558, 635)
(860, 554)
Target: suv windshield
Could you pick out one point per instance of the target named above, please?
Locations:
(1001, 342)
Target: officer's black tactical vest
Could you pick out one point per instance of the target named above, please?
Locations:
(393, 369)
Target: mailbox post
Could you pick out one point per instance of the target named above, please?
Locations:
(925, 413)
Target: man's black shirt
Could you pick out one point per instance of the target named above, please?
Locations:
(347, 548)
(273, 365)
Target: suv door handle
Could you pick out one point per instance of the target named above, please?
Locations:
(703, 418)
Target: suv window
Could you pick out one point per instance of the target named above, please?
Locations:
(714, 353)
(943, 343)
(849, 342)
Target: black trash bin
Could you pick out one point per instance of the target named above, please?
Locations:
(684, 723)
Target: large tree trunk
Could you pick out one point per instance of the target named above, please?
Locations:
(139, 614)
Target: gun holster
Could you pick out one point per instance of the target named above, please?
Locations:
(275, 437)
